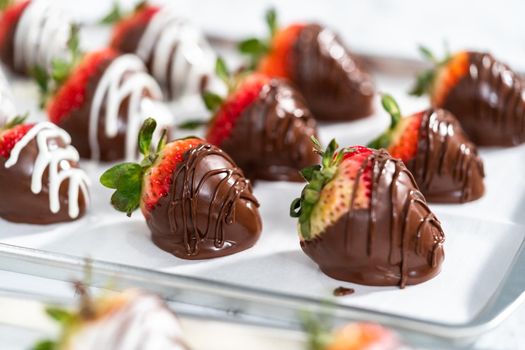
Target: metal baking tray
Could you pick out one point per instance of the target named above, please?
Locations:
(492, 229)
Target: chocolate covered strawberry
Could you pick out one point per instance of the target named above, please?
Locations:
(334, 85)
(101, 99)
(176, 53)
(40, 180)
(435, 149)
(131, 319)
(352, 336)
(486, 96)
(263, 124)
(196, 201)
(362, 219)
(32, 33)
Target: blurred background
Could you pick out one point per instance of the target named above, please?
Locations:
(386, 27)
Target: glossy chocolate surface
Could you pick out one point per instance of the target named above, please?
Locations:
(489, 102)
(210, 210)
(447, 167)
(324, 71)
(19, 204)
(271, 138)
(396, 241)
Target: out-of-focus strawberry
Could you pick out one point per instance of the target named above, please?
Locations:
(401, 138)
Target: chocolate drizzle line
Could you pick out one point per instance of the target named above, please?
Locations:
(210, 210)
(447, 167)
(335, 87)
(489, 102)
(271, 140)
(396, 241)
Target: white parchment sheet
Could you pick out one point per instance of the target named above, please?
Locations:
(481, 237)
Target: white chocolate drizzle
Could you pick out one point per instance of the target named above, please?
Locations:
(126, 78)
(56, 160)
(42, 34)
(180, 55)
(143, 322)
(7, 105)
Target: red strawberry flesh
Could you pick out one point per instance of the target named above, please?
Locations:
(405, 138)
(278, 61)
(72, 94)
(159, 177)
(9, 138)
(224, 120)
(139, 18)
(9, 19)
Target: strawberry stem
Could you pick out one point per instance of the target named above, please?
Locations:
(425, 80)
(391, 107)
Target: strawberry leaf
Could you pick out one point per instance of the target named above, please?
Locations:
(127, 201)
(271, 21)
(307, 173)
(423, 84)
(61, 316)
(60, 70)
(73, 42)
(19, 119)
(162, 141)
(390, 105)
(146, 135)
(115, 176)
(45, 345)
(114, 15)
(222, 70)
(126, 179)
(427, 54)
(253, 47)
(212, 101)
(191, 124)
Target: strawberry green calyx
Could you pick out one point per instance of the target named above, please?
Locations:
(425, 80)
(317, 177)
(391, 107)
(256, 48)
(116, 13)
(50, 80)
(18, 120)
(5, 4)
(126, 178)
(211, 100)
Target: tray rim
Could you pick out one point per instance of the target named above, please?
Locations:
(238, 303)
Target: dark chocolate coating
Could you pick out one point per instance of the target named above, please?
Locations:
(447, 167)
(19, 204)
(271, 138)
(210, 210)
(331, 81)
(396, 241)
(489, 102)
(7, 47)
(77, 123)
